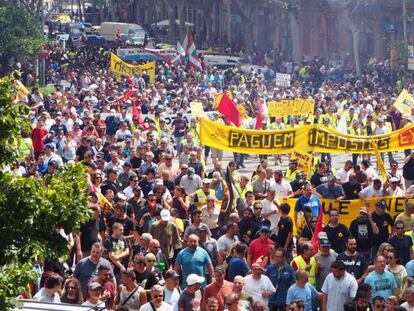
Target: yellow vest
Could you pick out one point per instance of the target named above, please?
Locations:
(202, 197)
(290, 175)
(242, 192)
(301, 264)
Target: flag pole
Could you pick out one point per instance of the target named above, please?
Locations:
(380, 163)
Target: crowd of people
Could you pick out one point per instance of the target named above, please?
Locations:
(165, 232)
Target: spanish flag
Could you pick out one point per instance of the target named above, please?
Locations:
(22, 91)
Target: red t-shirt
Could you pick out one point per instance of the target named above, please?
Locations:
(258, 248)
(37, 139)
(218, 291)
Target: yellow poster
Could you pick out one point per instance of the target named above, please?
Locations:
(197, 109)
(404, 103)
(292, 107)
(349, 209)
(304, 159)
(307, 138)
(119, 67)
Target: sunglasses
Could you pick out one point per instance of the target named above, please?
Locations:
(140, 262)
(390, 257)
(157, 296)
(258, 208)
(399, 228)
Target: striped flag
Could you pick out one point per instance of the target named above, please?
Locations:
(22, 91)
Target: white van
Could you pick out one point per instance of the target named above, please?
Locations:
(221, 61)
(132, 33)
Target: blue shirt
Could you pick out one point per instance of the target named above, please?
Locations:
(307, 294)
(314, 204)
(193, 262)
(410, 268)
(237, 266)
(382, 284)
(281, 279)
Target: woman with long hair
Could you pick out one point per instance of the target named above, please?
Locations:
(398, 270)
(181, 202)
(72, 292)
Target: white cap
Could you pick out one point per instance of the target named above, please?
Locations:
(165, 215)
(194, 279)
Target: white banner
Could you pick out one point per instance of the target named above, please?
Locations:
(283, 79)
(168, 118)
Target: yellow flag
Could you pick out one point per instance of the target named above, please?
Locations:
(404, 103)
(380, 163)
(22, 91)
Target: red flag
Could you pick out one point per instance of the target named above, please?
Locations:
(260, 117)
(136, 115)
(229, 110)
(318, 229)
(125, 96)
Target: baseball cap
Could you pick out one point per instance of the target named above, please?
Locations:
(324, 243)
(206, 181)
(165, 215)
(194, 279)
(381, 204)
(127, 164)
(203, 227)
(394, 179)
(171, 274)
(219, 269)
(363, 209)
(94, 285)
(264, 228)
(50, 146)
(258, 265)
(322, 235)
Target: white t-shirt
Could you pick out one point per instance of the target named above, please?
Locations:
(282, 189)
(339, 291)
(255, 288)
(407, 306)
(370, 192)
(171, 297)
(343, 175)
(268, 207)
(224, 243)
(164, 307)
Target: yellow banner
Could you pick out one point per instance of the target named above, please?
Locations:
(305, 138)
(304, 161)
(119, 67)
(292, 107)
(349, 209)
(404, 103)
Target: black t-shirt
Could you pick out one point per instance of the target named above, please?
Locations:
(89, 233)
(306, 233)
(285, 226)
(362, 232)
(318, 179)
(351, 191)
(383, 222)
(117, 246)
(337, 236)
(402, 247)
(185, 301)
(146, 279)
(355, 265)
(135, 162)
(179, 127)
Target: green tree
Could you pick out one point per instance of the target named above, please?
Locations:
(33, 212)
(21, 35)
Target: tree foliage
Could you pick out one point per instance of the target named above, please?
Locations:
(33, 211)
(20, 33)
